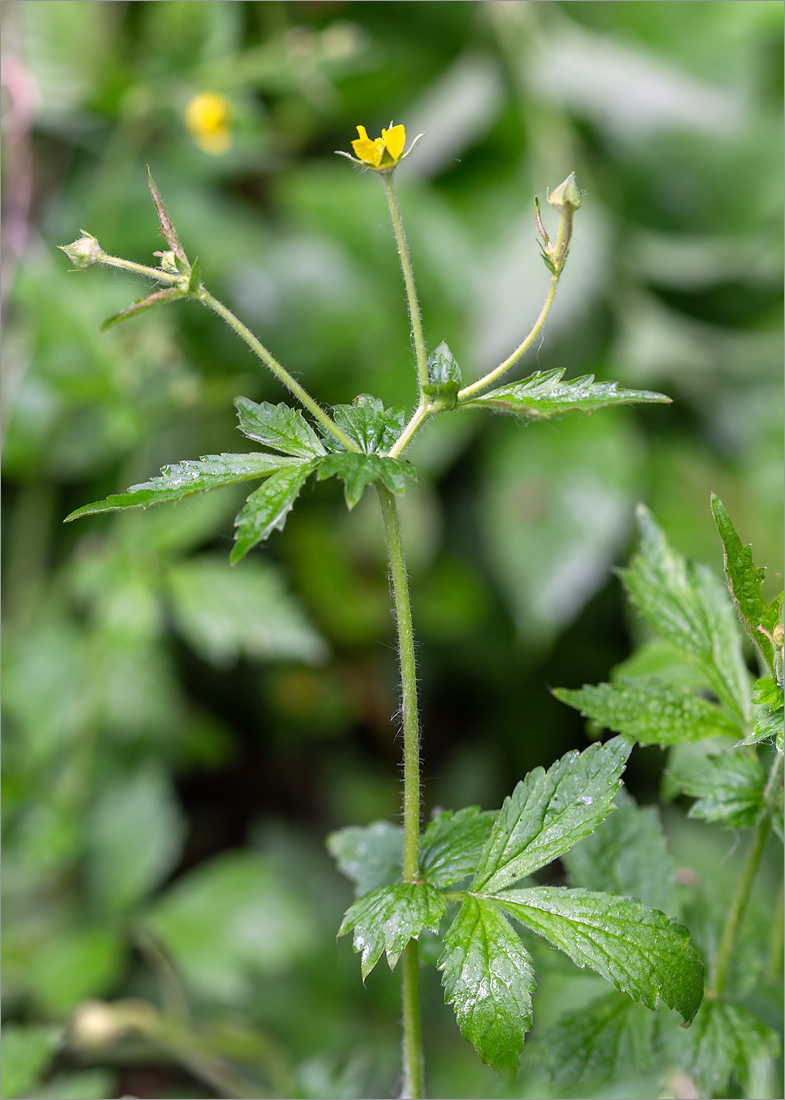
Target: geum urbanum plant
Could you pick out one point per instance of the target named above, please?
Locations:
(473, 866)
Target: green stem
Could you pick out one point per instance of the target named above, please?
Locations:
(408, 278)
(743, 889)
(278, 370)
(140, 269)
(412, 1037)
(421, 414)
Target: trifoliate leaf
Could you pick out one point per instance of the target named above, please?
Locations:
(550, 811)
(267, 507)
(141, 305)
(641, 951)
(488, 978)
(649, 710)
(543, 395)
(453, 843)
(725, 1041)
(444, 378)
(279, 427)
(746, 585)
(609, 1039)
(188, 477)
(370, 855)
(727, 781)
(366, 421)
(359, 471)
(628, 854)
(688, 606)
(387, 918)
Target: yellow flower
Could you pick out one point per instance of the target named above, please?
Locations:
(208, 117)
(382, 152)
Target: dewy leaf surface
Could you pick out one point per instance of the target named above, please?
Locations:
(550, 811)
(641, 951)
(453, 843)
(745, 581)
(728, 782)
(690, 607)
(488, 978)
(370, 855)
(372, 427)
(544, 395)
(267, 507)
(191, 476)
(278, 426)
(444, 377)
(650, 711)
(359, 471)
(387, 918)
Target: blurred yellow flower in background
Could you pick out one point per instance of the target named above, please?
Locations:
(208, 117)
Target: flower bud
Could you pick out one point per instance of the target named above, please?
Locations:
(83, 253)
(567, 196)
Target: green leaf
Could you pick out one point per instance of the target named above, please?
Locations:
(267, 507)
(359, 471)
(543, 395)
(628, 854)
(649, 710)
(168, 231)
(725, 1041)
(86, 1084)
(688, 606)
(727, 781)
(488, 978)
(194, 279)
(643, 952)
(387, 918)
(453, 843)
(366, 421)
(444, 377)
(186, 478)
(609, 1039)
(550, 811)
(279, 427)
(27, 1050)
(746, 585)
(225, 615)
(141, 305)
(370, 855)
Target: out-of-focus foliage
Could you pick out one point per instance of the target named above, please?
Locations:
(180, 737)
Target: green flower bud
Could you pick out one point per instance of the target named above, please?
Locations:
(83, 253)
(568, 195)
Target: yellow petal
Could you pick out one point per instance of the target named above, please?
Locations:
(394, 141)
(369, 152)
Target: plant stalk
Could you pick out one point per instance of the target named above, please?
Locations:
(281, 373)
(412, 1034)
(408, 277)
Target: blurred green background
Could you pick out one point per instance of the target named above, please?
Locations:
(180, 736)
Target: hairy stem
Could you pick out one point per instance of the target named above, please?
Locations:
(278, 370)
(412, 1037)
(408, 278)
(741, 897)
(419, 417)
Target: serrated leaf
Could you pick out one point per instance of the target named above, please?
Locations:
(543, 395)
(643, 952)
(366, 421)
(768, 727)
(688, 606)
(649, 710)
(370, 855)
(267, 507)
(387, 918)
(452, 844)
(628, 854)
(488, 978)
(727, 781)
(188, 477)
(359, 471)
(168, 231)
(550, 811)
(609, 1039)
(141, 305)
(725, 1041)
(745, 581)
(279, 427)
(444, 377)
